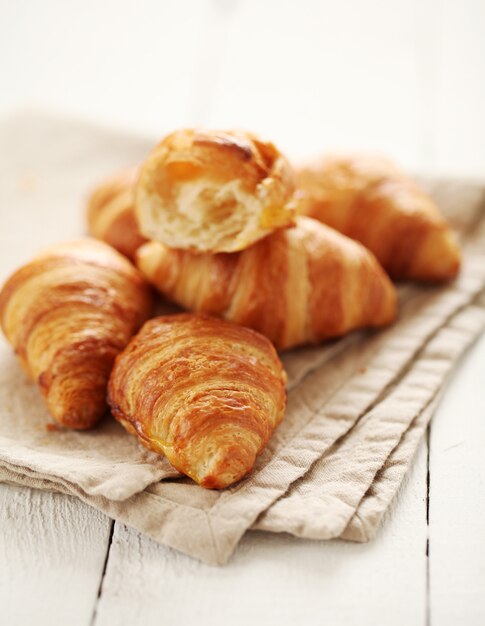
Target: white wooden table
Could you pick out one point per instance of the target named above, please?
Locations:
(63, 563)
(405, 77)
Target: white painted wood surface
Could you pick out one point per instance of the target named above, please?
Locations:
(457, 499)
(402, 77)
(319, 77)
(459, 87)
(52, 554)
(277, 579)
(122, 62)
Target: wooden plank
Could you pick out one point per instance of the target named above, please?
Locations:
(459, 101)
(52, 554)
(277, 579)
(457, 499)
(314, 76)
(121, 62)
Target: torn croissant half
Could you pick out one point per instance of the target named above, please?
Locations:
(297, 286)
(213, 191)
(67, 314)
(111, 213)
(204, 392)
(369, 199)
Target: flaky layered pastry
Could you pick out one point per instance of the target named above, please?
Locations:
(204, 392)
(369, 199)
(299, 285)
(213, 191)
(111, 213)
(67, 314)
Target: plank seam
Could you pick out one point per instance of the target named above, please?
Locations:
(103, 573)
(428, 484)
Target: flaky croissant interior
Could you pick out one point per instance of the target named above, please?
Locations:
(213, 191)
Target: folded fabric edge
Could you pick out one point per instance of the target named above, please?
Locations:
(373, 507)
(141, 476)
(160, 524)
(365, 521)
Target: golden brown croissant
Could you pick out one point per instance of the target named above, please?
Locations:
(111, 213)
(67, 314)
(300, 285)
(213, 191)
(369, 199)
(204, 392)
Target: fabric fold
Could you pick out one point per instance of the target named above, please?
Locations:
(357, 407)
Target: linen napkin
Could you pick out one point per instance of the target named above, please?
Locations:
(356, 408)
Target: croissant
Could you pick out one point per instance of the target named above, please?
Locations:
(299, 285)
(213, 191)
(67, 314)
(111, 213)
(369, 199)
(204, 392)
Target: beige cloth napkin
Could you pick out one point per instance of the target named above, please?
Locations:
(356, 408)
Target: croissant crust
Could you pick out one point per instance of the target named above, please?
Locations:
(111, 213)
(67, 314)
(369, 199)
(204, 392)
(299, 285)
(213, 191)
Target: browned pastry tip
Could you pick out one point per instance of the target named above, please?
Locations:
(67, 314)
(298, 286)
(369, 199)
(204, 392)
(111, 213)
(213, 191)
